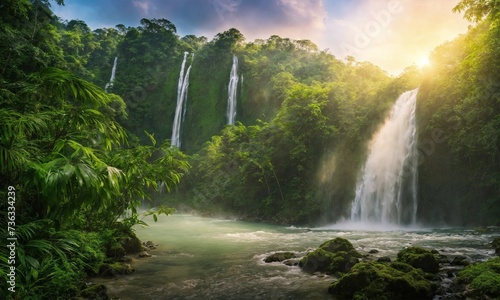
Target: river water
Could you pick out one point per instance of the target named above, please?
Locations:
(207, 258)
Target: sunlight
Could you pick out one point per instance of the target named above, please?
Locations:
(423, 62)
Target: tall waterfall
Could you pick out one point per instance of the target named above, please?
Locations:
(182, 89)
(113, 73)
(232, 92)
(387, 190)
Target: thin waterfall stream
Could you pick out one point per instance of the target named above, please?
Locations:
(113, 75)
(182, 92)
(232, 92)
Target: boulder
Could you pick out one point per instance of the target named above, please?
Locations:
(337, 255)
(480, 280)
(496, 245)
(144, 254)
(420, 258)
(384, 259)
(279, 256)
(374, 280)
(95, 291)
(460, 261)
(114, 269)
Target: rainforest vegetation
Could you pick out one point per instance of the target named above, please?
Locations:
(81, 161)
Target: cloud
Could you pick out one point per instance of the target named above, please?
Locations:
(390, 33)
(143, 5)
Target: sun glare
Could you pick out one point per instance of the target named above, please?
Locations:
(423, 62)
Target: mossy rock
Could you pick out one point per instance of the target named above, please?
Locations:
(115, 269)
(131, 244)
(336, 245)
(115, 250)
(95, 291)
(279, 256)
(482, 279)
(418, 257)
(337, 255)
(318, 260)
(496, 245)
(373, 280)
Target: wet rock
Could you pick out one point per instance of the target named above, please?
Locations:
(373, 280)
(115, 250)
(131, 243)
(279, 256)
(144, 254)
(384, 259)
(115, 269)
(337, 255)
(373, 251)
(496, 245)
(291, 262)
(460, 261)
(434, 251)
(442, 259)
(480, 280)
(95, 291)
(125, 259)
(149, 245)
(419, 258)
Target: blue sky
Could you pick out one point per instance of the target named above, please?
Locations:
(392, 34)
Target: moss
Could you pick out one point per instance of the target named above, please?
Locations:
(114, 269)
(279, 256)
(115, 250)
(96, 291)
(337, 244)
(373, 280)
(420, 258)
(337, 255)
(483, 278)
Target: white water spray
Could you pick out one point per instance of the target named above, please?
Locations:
(182, 89)
(232, 92)
(387, 190)
(113, 73)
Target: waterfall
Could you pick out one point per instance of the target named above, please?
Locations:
(232, 92)
(182, 89)
(387, 190)
(113, 73)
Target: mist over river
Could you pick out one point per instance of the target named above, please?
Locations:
(207, 258)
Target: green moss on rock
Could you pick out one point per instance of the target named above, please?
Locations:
(336, 245)
(114, 269)
(95, 291)
(420, 258)
(482, 279)
(337, 255)
(279, 256)
(373, 280)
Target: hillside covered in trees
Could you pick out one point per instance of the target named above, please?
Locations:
(81, 161)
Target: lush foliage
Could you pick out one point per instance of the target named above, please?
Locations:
(81, 160)
(77, 176)
(459, 116)
(483, 279)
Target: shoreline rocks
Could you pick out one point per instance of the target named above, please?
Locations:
(417, 273)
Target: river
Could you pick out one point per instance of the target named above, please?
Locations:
(208, 258)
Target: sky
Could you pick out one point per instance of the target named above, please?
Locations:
(392, 34)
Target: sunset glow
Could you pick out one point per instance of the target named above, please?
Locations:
(388, 33)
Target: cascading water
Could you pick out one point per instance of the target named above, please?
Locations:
(387, 190)
(113, 73)
(232, 92)
(182, 89)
